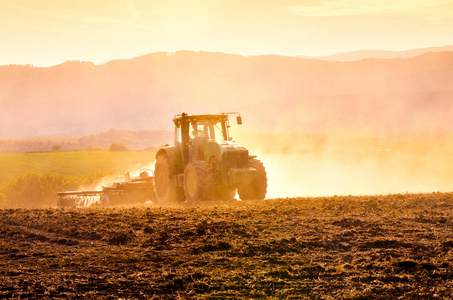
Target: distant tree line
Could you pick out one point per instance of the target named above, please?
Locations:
(114, 140)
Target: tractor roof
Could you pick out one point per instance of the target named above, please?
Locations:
(196, 118)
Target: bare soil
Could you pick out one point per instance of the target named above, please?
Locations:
(380, 247)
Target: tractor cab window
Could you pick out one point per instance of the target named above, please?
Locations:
(220, 130)
(197, 131)
(207, 130)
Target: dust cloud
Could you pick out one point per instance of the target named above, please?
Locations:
(129, 173)
(349, 163)
(342, 163)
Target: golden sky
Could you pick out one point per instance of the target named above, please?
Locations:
(48, 32)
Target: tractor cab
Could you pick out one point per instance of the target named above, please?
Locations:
(195, 133)
(201, 126)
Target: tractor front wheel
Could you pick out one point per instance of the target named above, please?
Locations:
(255, 189)
(198, 181)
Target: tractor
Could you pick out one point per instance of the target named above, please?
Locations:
(205, 164)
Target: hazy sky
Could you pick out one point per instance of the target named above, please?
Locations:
(48, 32)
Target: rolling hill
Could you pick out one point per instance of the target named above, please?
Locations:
(364, 54)
(273, 93)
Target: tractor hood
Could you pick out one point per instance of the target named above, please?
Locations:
(231, 146)
(228, 154)
(218, 148)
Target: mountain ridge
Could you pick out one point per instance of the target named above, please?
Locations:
(379, 54)
(271, 92)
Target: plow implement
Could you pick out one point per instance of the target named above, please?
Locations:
(128, 191)
(79, 198)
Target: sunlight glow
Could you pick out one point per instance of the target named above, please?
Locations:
(48, 32)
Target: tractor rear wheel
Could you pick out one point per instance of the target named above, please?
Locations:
(255, 189)
(198, 181)
(164, 183)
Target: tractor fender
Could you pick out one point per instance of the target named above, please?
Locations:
(174, 155)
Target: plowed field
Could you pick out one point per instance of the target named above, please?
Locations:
(380, 247)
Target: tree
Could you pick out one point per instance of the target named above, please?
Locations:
(56, 148)
(118, 147)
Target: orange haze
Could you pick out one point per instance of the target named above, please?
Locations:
(351, 164)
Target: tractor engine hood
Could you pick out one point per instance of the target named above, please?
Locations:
(229, 154)
(231, 146)
(233, 155)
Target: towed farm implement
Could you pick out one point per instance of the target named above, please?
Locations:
(204, 163)
(125, 191)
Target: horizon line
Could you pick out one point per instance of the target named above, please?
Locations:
(170, 53)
